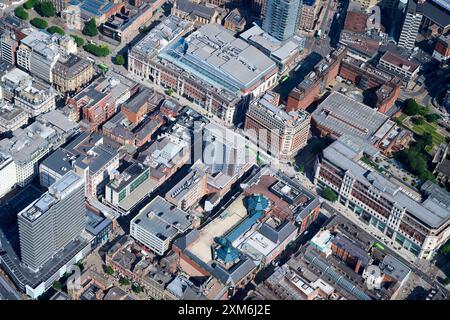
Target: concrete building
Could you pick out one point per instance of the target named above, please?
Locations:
(86, 155)
(442, 49)
(70, 73)
(411, 25)
(281, 18)
(188, 192)
(315, 82)
(128, 188)
(8, 47)
(198, 13)
(7, 174)
(308, 14)
(29, 145)
(158, 224)
(404, 68)
(234, 21)
(281, 133)
(48, 224)
(35, 97)
(11, 117)
(13, 80)
(419, 225)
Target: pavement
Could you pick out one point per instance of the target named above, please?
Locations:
(7, 291)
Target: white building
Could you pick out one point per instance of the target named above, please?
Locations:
(7, 174)
(35, 98)
(158, 224)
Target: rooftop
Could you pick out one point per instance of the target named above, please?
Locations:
(162, 219)
(343, 115)
(396, 60)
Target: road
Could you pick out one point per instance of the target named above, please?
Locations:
(7, 291)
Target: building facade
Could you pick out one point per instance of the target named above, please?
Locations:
(281, 18)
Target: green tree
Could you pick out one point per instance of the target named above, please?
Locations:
(45, 9)
(98, 51)
(124, 281)
(119, 60)
(39, 23)
(301, 167)
(109, 270)
(418, 120)
(55, 29)
(329, 194)
(411, 107)
(90, 28)
(136, 288)
(432, 117)
(21, 13)
(57, 285)
(30, 4)
(78, 40)
(170, 92)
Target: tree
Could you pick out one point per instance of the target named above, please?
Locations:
(124, 281)
(432, 117)
(45, 9)
(39, 23)
(301, 167)
(55, 29)
(136, 288)
(90, 28)
(109, 270)
(411, 107)
(170, 92)
(21, 13)
(78, 40)
(98, 51)
(418, 120)
(445, 248)
(30, 4)
(57, 285)
(329, 194)
(119, 60)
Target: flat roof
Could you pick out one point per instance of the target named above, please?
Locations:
(344, 115)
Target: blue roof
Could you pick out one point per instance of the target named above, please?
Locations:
(257, 204)
(227, 254)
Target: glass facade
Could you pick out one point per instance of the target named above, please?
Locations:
(281, 18)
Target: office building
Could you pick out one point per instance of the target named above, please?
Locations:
(12, 80)
(198, 13)
(7, 174)
(11, 117)
(158, 224)
(48, 224)
(308, 14)
(400, 66)
(411, 25)
(442, 49)
(71, 72)
(35, 97)
(419, 225)
(281, 18)
(279, 132)
(8, 47)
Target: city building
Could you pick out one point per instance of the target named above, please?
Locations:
(235, 21)
(279, 132)
(48, 224)
(418, 225)
(128, 188)
(124, 25)
(405, 69)
(29, 145)
(71, 73)
(71, 15)
(308, 14)
(11, 81)
(200, 73)
(339, 115)
(188, 192)
(7, 173)
(158, 224)
(384, 89)
(411, 25)
(99, 101)
(196, 12)
(35, 97)
(89, 156)
(100, 10)
(8, 47)
(314, 84)
(99, 227)
(442, 49)
(11, 117)
(285, 53)
(281, 18)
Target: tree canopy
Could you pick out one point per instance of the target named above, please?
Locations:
(90, 28)
(412, 108)
(30, 4)
(56, 29)
(119, 60)
(45, 9)
(98, 51)
(78, 40)
(329, 194)
(39, 23)
(21, 13)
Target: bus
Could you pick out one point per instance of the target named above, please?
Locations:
(104, 67)
(284, 79)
